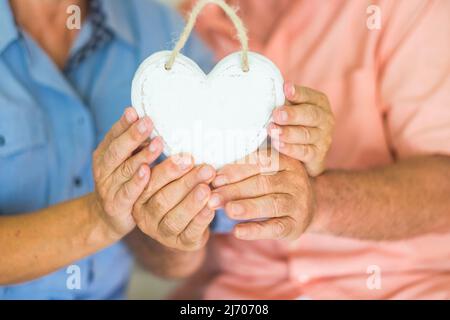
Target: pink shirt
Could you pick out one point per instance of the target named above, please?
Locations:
(390, 93)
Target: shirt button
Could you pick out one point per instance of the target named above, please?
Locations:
(80, 121)
(77, 182)
(2, 141)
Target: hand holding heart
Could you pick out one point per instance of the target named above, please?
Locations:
(302, 129)
(121, 170)
(172, 209)
(176, 205)
(281, 201)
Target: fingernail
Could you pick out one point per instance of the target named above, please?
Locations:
(237, 209)
(240, 233)
(215, 201)
(142, 171)
(220, 181)
(183, 162)
(283, 116)
(130, 115)
(274, 130)
(154, 146)
(206, 173)
(278, 144)
(142, 126)
(200, 193)
(289, 90)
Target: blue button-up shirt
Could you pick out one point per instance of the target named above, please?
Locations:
(51, 121)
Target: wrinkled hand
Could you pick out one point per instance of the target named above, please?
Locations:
(121, 169)
(302, 129)
(172, 210)
(283, 199)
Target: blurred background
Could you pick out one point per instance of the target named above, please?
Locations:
(143, 285)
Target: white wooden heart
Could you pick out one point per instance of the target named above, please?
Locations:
(218, 118)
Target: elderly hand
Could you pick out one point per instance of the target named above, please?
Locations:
(121, 170)
(282, 201)
(303, 128)
(172, 210)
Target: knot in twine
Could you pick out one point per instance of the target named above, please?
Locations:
(231, 13)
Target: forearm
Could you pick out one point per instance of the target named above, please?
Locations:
(406, 199)
(35, 244)
(163, 261)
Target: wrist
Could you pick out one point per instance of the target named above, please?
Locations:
(102, 230)
(320, 216)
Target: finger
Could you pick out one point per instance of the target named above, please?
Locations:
(123, 146)
(177, 219)
(298, 94)
(173, 193)
(267, 206)
(145, 156)
(275, 228)
(310, 155)
(259, 162)
(255, 186)
(130, 191)
(303, 152)
(197, 232)
(295, 134)
(309, 115)
(128, 117)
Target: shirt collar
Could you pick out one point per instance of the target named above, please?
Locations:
(8, 29)
(116, 19)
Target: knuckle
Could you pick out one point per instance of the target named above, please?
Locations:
(276, 206)
(323, 98)
(158, 202)
(257, 228)
(263, 183)
(302, 92)
(277, 181)
(168, 228)
(306, 135)
(314, 114)
(113, 152)
(280, 229)
(184, 245)
(126, 170)
(189, 237)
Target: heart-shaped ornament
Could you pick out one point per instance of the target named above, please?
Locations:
(218, 118)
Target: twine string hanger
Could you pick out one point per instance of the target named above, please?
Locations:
(231, 13)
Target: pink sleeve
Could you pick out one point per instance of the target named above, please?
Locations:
(415, 77)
